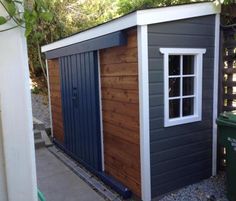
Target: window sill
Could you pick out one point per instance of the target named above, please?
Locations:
(182, 120)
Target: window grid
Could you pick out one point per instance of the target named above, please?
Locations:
(179, 97)
(178, 76)
(181, 76)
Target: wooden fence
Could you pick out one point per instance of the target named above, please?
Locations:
(227, 81)
(228, 70)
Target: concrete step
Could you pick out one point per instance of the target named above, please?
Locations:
(46, 139)
(38, 125)
(41, 138)
(37, 134)
(39, 143)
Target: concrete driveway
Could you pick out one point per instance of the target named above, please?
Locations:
(59, 183)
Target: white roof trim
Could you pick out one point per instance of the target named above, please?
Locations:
(141, 17)
(166, 14)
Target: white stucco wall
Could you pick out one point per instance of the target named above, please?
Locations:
(17, 157)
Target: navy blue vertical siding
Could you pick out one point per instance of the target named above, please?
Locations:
(80, 103)
(180, 155)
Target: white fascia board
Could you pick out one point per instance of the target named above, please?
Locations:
(166, 14)
(101, 30)
(142, 17)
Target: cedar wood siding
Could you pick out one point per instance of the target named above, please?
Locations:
(180, 155)
(55, 96)
(120, 107)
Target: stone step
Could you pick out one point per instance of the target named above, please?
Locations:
(38, 125)
(37, 134)
(46, 139)
(41, 138)
(39, 143)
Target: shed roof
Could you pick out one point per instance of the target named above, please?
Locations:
(138, 18)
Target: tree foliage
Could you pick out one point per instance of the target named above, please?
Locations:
(46, 21)
(126, 6)
(42, 27)
(39, 23)
(78, 15)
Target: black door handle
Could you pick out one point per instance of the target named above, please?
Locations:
(75, 97)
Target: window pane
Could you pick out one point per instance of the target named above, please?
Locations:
(174, 108)
(174, 87)
(188, 64)
(188, 105)
(188, 86)
(174, 65)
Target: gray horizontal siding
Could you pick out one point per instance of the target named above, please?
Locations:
(190, 176)
(161, 156)
(180, 155)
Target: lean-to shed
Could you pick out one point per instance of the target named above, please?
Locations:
(135, 99)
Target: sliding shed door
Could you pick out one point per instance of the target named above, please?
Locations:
(80, 99)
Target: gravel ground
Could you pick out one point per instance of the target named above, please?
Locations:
(41, 109)
(212, 189)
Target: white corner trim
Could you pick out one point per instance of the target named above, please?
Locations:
(100, 106)
(49, 98)
(141, 17)
(166, 14)
(215, 98)
(144, 112)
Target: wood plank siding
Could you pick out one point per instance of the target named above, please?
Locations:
(56, 103)
(120, 107)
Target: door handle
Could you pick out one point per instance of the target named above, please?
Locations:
(75, 97)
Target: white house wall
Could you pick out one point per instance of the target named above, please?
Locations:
(3, 188)
(17, 148)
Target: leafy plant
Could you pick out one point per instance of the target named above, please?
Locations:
(28, 14)
(35, 90)
(14, 13)
(32, 12)
(38, 20)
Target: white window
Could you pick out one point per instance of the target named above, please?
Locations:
(182, 85)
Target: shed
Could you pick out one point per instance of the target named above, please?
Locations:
(134, 100)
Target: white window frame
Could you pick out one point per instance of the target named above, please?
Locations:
(198, 65)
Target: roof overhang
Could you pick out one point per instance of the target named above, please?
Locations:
(140, 17)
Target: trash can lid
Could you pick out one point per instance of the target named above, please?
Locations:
(228, 116)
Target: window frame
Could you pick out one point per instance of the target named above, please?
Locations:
(198, 66)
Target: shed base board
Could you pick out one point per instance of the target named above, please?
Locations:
(106, 179)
